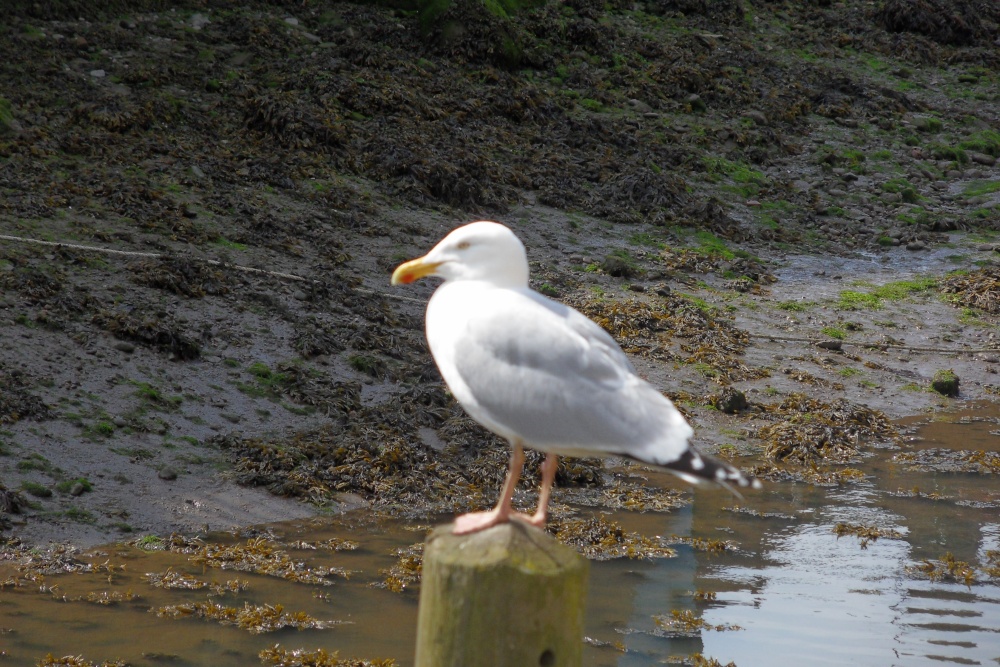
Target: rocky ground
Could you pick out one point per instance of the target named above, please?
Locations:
(787, 214)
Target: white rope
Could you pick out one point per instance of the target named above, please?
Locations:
(153, 255)
(896, 346)
(399, 297)
(210, 262)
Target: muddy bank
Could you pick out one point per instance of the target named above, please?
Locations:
(721, 192)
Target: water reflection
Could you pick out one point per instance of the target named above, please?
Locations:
(800, 594)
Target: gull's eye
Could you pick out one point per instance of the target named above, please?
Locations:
(463, 245)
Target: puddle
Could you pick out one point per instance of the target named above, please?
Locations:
(791, 593)
(884, 266)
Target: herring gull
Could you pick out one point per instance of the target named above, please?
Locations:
(541, 375)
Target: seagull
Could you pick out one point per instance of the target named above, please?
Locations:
(540, 374)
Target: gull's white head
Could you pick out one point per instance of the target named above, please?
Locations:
(482, 250)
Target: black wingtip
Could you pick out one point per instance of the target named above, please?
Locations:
(695, 467)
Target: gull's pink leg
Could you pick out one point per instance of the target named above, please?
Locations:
(549, 467)
(476, 521)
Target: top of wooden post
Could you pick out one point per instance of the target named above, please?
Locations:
(514, 545)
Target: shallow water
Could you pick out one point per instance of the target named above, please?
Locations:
(798, 593)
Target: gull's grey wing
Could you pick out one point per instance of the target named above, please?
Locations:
(541, 371)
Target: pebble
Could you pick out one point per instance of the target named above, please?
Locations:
(830, 344)
(124, 346)
(98, 73)
(77, 489)
(916, 245)
(696, 103)
(640, 106)
(981, 158)
(167, 474)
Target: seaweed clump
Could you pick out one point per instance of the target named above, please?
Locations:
(280, 657)
(16, 402)
(172, 580)
(811, 430)
(258, 555)
(976, 289)
(406, 571)
(77, 661)
(706, 339)
(178, 276)
(952, 460)
(947, 568)
(683, 623)
(254, 619)
(153, 331)
(598, 538)
(865, 533)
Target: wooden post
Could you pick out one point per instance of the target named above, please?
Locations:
(508, 596)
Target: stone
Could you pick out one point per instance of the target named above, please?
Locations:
(732, 400)
(639, 106)
(199, 21)
(916, 245)
(167, 474)
(618, 267)
(696, 103)
(945, 382)
(981, 158)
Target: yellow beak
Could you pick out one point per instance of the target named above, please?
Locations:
(415, 269)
